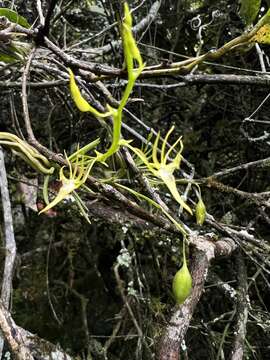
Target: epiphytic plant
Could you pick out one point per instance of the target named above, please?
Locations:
(160, 163)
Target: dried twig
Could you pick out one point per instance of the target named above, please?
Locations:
(125, 300)
(40, 13)
(142, 25)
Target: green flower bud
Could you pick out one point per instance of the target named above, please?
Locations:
(182, 284)
(200, 212)
(128, 17)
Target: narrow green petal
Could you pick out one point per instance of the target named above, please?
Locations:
(175, 164)
(152, 202)
(164, 144)
(64, 191)
(84, 149)
(171, 149)
(87, 172)
(169, 181)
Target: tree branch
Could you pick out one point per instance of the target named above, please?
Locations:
(174, 334)
(24, 345)
(242, 310)
(12, 336)
(10, 244)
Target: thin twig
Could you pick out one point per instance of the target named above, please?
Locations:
(125, 300)
(143, 24)
(115, 331)
(260, 55)
(27, 121)
(262, 163)
(34, 85)
(40, 13)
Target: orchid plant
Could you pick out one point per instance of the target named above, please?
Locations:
(79, 174)
(161, 162)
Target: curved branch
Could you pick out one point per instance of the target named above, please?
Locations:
(174, 334)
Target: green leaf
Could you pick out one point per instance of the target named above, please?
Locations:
(7, 58)
(249, 10)
(14, 51)
(14, 17)
(8, 54)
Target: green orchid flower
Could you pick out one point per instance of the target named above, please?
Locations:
(162, 167)
(77, 177)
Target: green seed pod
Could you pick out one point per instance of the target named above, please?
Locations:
(200, 212)
(182, 284)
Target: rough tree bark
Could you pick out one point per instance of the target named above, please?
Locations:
(205, 250)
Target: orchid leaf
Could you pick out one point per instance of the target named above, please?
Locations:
(249, 10)
(14, 17)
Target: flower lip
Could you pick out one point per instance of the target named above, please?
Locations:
(68, 186)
